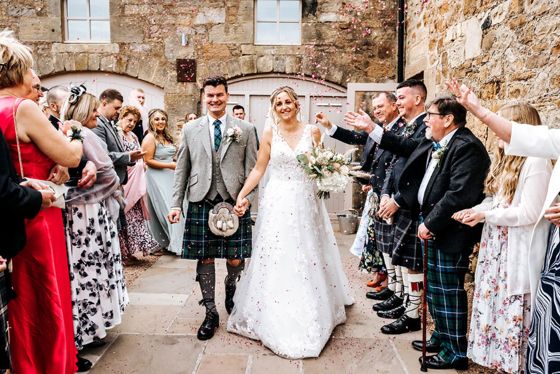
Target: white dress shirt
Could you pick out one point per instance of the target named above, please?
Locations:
(211, 126)
(432, 166)
(332, 130)
(377, 132)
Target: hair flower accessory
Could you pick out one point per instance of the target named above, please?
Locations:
(234, 134)
(75, 93)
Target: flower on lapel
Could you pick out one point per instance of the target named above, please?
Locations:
(409, 130)
(234, 134)
(438, 154)
(116, 127)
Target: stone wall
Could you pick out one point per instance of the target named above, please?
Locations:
(507, 51)
(342, 41)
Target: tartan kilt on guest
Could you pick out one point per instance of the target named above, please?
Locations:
(407, 248)
(384, 235)
(200, 243)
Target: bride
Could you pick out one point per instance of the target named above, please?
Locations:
(294, 291)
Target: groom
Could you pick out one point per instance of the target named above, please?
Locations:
(212, 168)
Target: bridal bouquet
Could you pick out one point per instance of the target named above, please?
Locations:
(329, 168)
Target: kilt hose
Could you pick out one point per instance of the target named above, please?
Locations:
(447, 301)
(407, 249)
(200, 243)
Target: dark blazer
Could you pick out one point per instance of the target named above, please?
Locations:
(113, 146)
(375, 160)
(390, 186)
(16, 204)
(456, 184)
(138, 130)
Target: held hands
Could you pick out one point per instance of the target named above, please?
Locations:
(241, 206)
(553, 214)
(387, 208)
(469, 217)
(361, 121)
(466, 98)
(89, 175)
(136, 155)
(323, 120)
(424, 233)
(59, 175)
(174, 216)
(48, 198)
(366, 188)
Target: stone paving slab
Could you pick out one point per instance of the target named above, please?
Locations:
(226, 364)
(168, 280)
(147, 319)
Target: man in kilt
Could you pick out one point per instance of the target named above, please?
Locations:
(444, 174)
(375, 161)
(406, 248)
(216, 154)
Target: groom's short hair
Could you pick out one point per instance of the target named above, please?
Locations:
(214, 81)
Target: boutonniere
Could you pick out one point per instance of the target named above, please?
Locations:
(438, 154)
(116, 128)
(234, 134)
(409, 130)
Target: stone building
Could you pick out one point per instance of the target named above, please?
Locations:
(507, 51)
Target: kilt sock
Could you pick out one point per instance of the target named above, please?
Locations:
(414, 287)
(206, 277)
(390, 272)
(234, 273)
(399, 289)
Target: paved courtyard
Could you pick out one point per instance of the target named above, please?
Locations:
(158, 332)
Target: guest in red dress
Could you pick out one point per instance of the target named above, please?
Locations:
(42, 336)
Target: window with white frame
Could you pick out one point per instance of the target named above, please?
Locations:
(278, 22)
(87, 21)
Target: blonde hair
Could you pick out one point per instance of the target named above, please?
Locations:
(16, 56)
(129, 109)
(152, 129)
(81, 110)
(505, 170)
(274, 97)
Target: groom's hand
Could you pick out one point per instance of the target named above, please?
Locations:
(174, 215)
(241, 207)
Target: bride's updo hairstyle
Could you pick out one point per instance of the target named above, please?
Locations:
(274, 97)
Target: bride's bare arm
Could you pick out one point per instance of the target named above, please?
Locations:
(257, 173)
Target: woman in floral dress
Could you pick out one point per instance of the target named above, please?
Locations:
(134, 237)
(516, 190)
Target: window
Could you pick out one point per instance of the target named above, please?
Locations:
(87, 21)
(278, 22)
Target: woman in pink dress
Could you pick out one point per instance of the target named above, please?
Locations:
(41, 335)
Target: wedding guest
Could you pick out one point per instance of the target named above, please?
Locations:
(516, 189)
(190, 117)
(96, 274)
(44, 106)
(376, 161)
(135, 237)
(453, 181)
(137, 99)
(160, 152)
(239, 112)
(37, 90)
(544, 253)
(41, 316)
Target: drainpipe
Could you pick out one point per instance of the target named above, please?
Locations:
(400, 56)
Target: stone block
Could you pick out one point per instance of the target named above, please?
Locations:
(244, 10)
(45, 65)
(265, 64)
(81, 60)
(473, 42)
(108, 63)
(292, 64)
(210, 15)
(335, 73)
(226, 33)
(233, 68)
(132, 66)
(40, 29)
(85, 48)
(499, 13)
(279, 64)
(69, 62)
(121, 64)
(174, 49)
(53, 7)
(126, 30)
(161, 76)
(58, 62)
(248, 49)
(19, 10)
(147, 69)
(248, 65)
(215, 51)
(93, 62)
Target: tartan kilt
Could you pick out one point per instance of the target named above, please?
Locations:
(5, 357)
(407, 248)
(200, 243)
(384, 235)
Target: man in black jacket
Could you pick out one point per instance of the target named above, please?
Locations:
(375, 161)
(444, 174)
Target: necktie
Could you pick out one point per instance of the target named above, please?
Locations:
(217, 134)
(436, 146)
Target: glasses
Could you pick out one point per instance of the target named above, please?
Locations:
(430, 114)
(37, 88)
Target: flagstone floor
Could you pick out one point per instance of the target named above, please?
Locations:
(158, 332)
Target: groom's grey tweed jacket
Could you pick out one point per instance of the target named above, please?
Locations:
(193, 173)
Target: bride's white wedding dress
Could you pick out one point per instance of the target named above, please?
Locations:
(294, 291)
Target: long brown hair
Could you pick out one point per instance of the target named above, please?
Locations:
(505, 170)
(152, 129)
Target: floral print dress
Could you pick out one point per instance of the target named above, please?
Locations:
(499, 323)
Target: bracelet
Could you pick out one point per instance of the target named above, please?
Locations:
(75, 134)
(486, 115)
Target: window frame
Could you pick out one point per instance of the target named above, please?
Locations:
(88, 19)
(277, 21)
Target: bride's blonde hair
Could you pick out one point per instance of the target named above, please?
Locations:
(274, 98)
(505, 170)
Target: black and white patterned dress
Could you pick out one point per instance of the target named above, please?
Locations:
(96, 273)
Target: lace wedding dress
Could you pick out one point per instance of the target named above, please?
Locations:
(294, 291)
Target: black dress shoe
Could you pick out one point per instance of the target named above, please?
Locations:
(430, 347)
(230, 291)
(393, 313)
(209, 326)
(83, 364)
(391, 303)
(402, 325)
(436, 362)
(384, 294)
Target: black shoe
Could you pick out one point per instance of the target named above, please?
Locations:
(402, 325)
(436, 362)
(230, 291)
(398, 312)
(391, 303)
(430, 347)
(83, 364)
(384, 294)
(209, 326)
